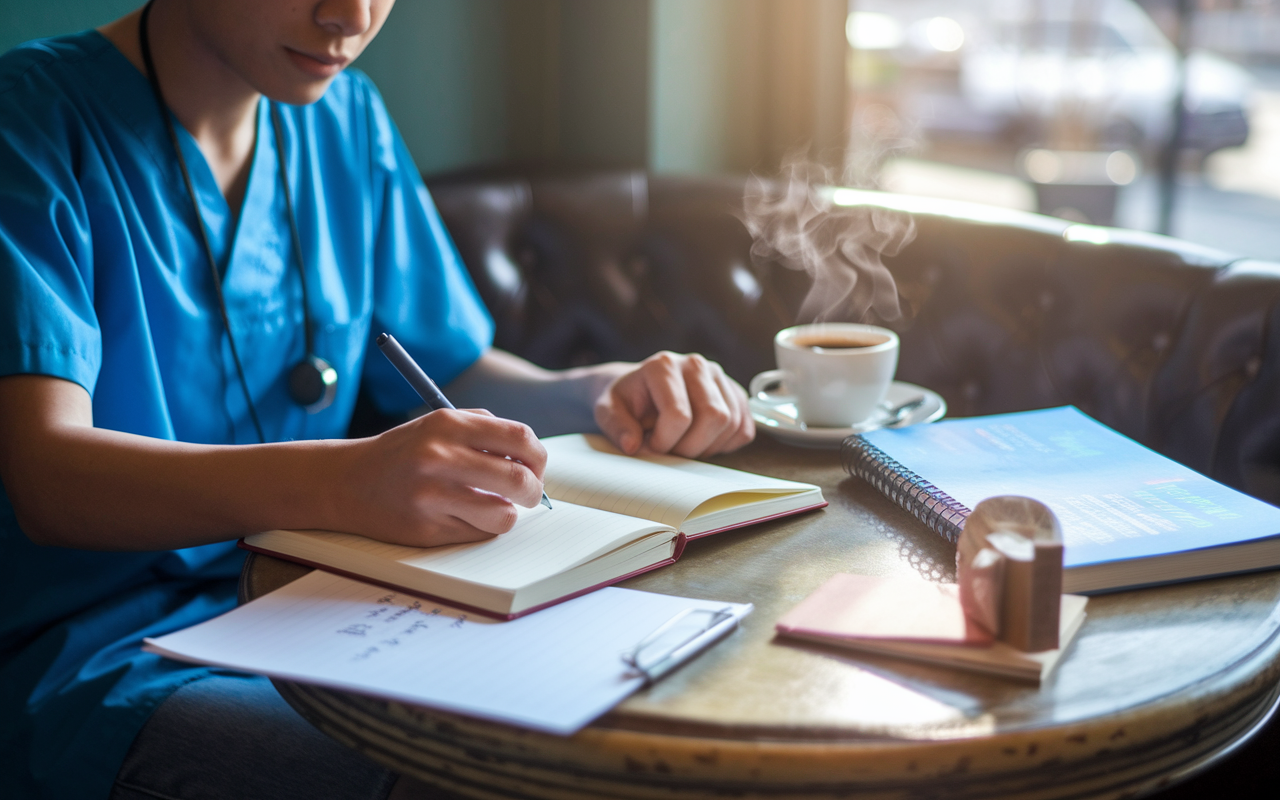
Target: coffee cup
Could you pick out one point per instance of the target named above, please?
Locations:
(835, 373)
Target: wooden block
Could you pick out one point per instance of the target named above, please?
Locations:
(1009, 567)
(980, 575)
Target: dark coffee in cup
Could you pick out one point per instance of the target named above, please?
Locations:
(839, 341)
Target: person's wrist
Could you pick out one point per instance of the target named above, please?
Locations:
(333, 472)
(598, 378)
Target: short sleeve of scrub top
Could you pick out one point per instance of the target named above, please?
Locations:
(104, 283)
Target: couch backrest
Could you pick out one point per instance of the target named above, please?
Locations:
(1175, 345)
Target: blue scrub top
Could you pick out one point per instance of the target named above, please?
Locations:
(104, 282)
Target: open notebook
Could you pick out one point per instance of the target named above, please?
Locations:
(615, 516)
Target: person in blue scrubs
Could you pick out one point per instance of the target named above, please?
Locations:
(130, 457)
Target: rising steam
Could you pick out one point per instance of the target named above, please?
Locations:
(796, 224)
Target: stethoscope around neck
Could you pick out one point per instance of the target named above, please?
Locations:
(313, 382)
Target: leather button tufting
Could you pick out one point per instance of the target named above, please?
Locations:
(1253, 366)
(746, 284)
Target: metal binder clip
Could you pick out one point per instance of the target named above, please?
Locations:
(719, 624)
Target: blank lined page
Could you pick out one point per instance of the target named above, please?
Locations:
(544, 542)
(555, 670)
(587, 470)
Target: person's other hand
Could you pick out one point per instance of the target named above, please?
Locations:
(446, 477)
(681, 404)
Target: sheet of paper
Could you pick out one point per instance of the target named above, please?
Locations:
(589, 471)
(554, 671)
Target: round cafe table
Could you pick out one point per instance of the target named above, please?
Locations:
(1158, 684)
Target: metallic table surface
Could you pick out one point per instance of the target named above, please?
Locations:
(1158, 683)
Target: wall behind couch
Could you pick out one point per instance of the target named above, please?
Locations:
(738, 84)
(479, 82)
(20, 21)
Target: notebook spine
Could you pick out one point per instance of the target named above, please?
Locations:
(935, 508)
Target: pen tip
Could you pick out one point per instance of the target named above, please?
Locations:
(546, 501)
(382, 338)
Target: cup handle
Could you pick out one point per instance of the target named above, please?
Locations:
(766, 380)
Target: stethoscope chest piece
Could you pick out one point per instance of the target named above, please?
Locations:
(313, 383)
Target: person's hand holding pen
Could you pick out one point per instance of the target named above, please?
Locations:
(461, 474)
(420, 381)
(446, 477)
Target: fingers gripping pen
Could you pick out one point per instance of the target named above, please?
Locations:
(421, 383)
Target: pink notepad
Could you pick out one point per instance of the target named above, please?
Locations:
(866, 607)
(920, 621)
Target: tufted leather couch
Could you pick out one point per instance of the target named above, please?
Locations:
(1173, 344)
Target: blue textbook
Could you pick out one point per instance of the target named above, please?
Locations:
(1130, 516)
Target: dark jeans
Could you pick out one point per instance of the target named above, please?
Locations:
(234, 737)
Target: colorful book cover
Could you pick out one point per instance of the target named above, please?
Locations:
(1115, 498)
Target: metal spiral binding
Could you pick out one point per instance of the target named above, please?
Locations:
(941, 512)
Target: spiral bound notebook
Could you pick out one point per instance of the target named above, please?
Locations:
(1130, 517)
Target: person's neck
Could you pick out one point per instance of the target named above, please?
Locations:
(216, 106)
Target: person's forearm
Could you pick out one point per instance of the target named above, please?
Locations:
(445, 478)
(550, 402)
(90, 488)
(682, 404)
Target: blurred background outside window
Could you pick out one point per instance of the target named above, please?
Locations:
(1068, 107)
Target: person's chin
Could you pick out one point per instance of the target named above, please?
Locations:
(297, 90)
(306, 94)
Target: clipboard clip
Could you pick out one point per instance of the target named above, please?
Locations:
(654, 666)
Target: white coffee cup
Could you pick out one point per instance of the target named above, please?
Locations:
(836, 373)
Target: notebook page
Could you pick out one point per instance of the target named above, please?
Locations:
(587, 470)
(555, 670)
(544, 542)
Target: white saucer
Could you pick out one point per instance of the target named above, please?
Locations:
(779, 419)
